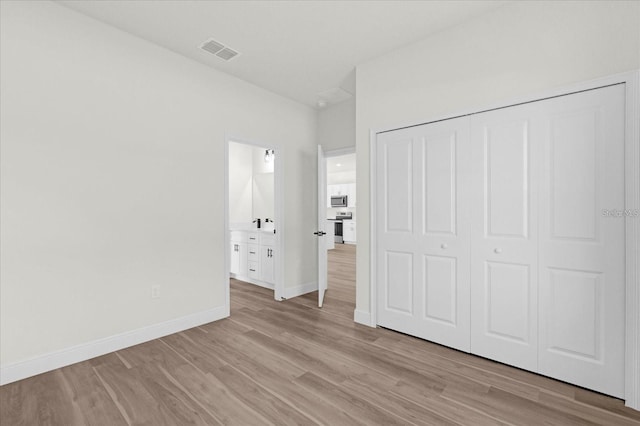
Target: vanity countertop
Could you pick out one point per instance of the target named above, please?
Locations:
(239, 227)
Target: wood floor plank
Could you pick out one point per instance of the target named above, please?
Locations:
(383, 398)
(274, 409)
(279, 383)
(129, 394)
(38, 400)
(274, 363)
(93, 401)
(453, 410)
(512, 408)
(369, 413)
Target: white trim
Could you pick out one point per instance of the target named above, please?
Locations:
(279, 219)
(227, 234)
(632, 201)
(299, 290)
(53, 360)
(373, 297)
(624, 77)
(363, 317)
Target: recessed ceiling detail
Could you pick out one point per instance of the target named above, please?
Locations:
(219, 49)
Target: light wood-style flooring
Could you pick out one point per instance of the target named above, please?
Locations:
(291, 363)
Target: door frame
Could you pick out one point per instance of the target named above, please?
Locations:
(278, 217)
(631, 80)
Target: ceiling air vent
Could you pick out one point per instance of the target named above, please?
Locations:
(227, 54)
(219, 49)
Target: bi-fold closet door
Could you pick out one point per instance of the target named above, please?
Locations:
(491, 238)
(423, 232)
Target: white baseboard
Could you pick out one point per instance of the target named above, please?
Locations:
(362, 317)
(21, 370)
(299, 290)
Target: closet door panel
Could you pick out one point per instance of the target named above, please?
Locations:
(439, 198)
(433, 231)
(508, 292)
(506, 181)
(440, 289)
(504, 236)
(581, 248)
(397, 181)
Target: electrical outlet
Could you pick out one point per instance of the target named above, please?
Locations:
(155, 291)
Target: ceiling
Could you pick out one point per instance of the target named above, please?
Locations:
(342, 163)
(304, 50)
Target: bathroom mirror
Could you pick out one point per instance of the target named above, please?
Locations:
(263, 195)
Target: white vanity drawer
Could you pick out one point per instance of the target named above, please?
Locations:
(254, 252)
(254, 270)
(239, 236)
(253, 238)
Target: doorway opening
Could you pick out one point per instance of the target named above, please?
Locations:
(341, 227)
(254, 218)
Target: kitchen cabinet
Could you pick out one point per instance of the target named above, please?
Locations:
(338, 189)
(351, 192)
(252, 257)
(349, 231)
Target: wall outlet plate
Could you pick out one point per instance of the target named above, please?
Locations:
(155, 291)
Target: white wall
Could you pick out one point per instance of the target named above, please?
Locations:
(336, 125)
(518, 49)
(112, 179)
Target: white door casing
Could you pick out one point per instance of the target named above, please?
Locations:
(424, 229)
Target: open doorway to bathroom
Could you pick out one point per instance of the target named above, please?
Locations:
(254, 218)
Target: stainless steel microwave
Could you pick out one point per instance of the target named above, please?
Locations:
(338, 201)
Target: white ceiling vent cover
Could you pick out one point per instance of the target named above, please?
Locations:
(227, 54)
(218, 49)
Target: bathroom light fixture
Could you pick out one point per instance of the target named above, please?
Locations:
(269, 154)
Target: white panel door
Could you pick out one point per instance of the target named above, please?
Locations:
(322, 223)
(581, 246)
(423, 232)
(504, 236)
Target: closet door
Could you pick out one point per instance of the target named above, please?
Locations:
(423, 232)
(582, 241)
(504, 269)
